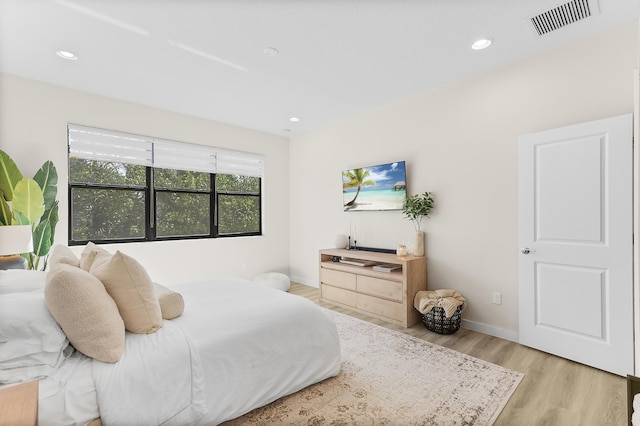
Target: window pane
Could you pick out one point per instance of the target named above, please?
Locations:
(238, 214)
(106, 173)
(180, 214)
(107, 214)
(236, 183)
(181, 179)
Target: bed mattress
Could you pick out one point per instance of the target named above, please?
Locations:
(236, 347)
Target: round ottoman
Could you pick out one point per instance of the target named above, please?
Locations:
(274, 280)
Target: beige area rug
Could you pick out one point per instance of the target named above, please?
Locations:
(389, 378)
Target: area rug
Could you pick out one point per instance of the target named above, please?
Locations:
(390, 378)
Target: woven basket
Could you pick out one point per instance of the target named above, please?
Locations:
(436, 321)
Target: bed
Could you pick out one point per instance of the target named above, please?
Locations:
(236, 347)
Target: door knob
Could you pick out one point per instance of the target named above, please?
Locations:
(525, 250)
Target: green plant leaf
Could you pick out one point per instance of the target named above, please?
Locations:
(52, 216)
(5, 212)
(415, 207)
(29, 259)
(9, 175)
(19, 219)
(42, 238)
(47, 178)
(28, 199)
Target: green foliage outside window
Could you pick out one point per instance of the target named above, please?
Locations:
(238, 204)
(182, 214)
(112, 213)
(106, 173)
(109, 202)
(181, 179)
(107, 214)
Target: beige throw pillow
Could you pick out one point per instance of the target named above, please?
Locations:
(89, 254)
(129, 285)
(171, 302)
(87, 314)
(62, 254)
(99, 258)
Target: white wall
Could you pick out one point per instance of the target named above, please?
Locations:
(33, 122)
(460, 142)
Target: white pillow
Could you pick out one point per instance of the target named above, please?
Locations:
(21, 280)
(32, 344)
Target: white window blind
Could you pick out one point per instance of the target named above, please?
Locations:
(107, 145)
(240, 163)
(183, 156)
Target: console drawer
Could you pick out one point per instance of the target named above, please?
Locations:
(377, 306)
(391, 290)
(338, 278)
(338, 295)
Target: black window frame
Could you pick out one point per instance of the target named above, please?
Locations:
(150, 210)
(249, 194)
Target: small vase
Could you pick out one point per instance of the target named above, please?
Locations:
(341, 241)
(419, 246)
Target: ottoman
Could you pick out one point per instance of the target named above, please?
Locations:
(274, 280)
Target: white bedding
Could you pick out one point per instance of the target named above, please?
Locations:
(236, 347)
(158, 380)
(256, 344)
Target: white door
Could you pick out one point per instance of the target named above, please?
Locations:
(575, 241)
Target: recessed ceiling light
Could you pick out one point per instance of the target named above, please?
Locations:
(65, 54)
(294, 119)
(482, 43)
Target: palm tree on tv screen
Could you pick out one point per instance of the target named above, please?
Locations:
(357, 178)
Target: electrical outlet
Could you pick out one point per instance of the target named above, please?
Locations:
(497, 297)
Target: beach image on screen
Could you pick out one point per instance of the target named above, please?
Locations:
(381, 187)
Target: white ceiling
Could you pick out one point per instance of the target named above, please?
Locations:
(337, 58)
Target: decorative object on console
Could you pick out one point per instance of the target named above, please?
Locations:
(31, 202)
(380, 187)
(342, 241)
(14, 240)
(415, 207)
(401, 250)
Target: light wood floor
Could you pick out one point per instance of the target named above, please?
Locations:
(554, 391)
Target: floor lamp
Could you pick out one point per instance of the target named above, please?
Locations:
(15, 239)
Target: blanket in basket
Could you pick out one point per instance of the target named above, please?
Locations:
(447, 299)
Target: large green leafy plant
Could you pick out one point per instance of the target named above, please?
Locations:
(26, 201)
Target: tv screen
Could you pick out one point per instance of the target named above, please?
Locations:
(381, 187)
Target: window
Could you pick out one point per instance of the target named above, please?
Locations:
(238, 202)
(125, 187)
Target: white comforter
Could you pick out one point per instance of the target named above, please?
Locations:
(236, 347)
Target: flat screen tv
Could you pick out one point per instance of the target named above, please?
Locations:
(381, 187)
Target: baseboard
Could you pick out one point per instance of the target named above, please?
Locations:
(490, 330)
(301, 280)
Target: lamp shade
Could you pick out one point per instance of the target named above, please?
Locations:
(15, 239)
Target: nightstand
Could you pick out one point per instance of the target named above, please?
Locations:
(19, 405)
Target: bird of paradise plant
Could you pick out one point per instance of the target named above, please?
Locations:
(26, 201)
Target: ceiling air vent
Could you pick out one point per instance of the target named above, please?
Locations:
(563, 15)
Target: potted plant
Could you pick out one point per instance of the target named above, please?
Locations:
(415, 207)
(26, 201)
